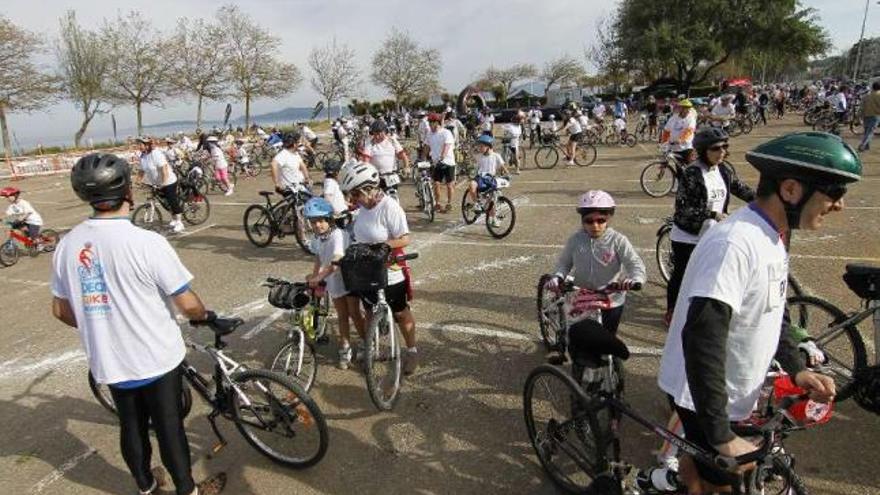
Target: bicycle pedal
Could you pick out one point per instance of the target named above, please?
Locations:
(217, 447)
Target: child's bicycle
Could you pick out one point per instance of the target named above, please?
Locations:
(499, 210)
(19, 242)
(309, 310)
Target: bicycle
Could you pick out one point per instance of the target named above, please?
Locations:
(308, 310)
(196, 208)
(660, 177)
(495, 206)
(263, 223)
(425, 189)
(382, 366)
(507, 154)
(547, 155)
(18, 241)
(257, 401)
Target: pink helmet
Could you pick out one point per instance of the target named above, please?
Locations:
(595, 200)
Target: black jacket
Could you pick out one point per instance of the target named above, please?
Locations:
(692, 202)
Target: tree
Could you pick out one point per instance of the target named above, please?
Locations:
(139, 75)
(23, 86)
(562, 70)
(607, 54)
(336, 75)
(501, 81)
(715, 31)
(83, 66)
(201, 66)
(256, 72)
(405, 69)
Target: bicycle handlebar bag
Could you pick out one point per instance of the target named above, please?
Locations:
(364, 267)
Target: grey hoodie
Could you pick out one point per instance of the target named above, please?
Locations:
(597, 262)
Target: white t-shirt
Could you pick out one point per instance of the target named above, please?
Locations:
(219, 157)
(681, 131)
(720, 110)
(383, 155)
(308, 133)
(599, 111)
(488, 164)
(487, 122)
(619, 124)
(22, 211)
(584, 121)
(436, 140)
(289, 170)
(333, 194)
(118, 279)
(152, 164)
(741, 262)
(384, 221)
(574, 127)
(514, 132)
(424, 130)
(328, 250)
(716, 195)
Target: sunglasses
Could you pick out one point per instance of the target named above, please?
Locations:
(833, 191)
(719, 147)
(594, 220)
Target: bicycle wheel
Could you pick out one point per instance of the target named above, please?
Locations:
(468, 214)
(585, 155)
(550, 318)
(428, 201)
(631, 140)
(734, 129)
(305, 236)
(278, 418)
(382, 361)
(562, 432)
(296, 359)
(196, 209)
(503, 218)
(49, 240)
(790, 480)
(546, 157)
(201, 185)
(657, 179)
(612, 139)
(320, 158)
(843, 348)
(794, 287)
(9, 253)
(663, 254)
(105, 398)
(148, 217)
(258, 225)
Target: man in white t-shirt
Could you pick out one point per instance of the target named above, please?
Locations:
(599, 112)
(442, 145)
(155, 172)
(118, 285)
(678, 133)
(535, 116)
(513, 134)
(728, 324)
(289, 170)
(383, 152)
(487, 122)
(308, 134)
(723, 112)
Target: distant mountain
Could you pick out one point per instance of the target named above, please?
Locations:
(284, 116)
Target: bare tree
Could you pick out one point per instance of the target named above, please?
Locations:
(24, 87)
(607, 54)
(561, 70)
(405, 69)
(201, 66)
(83, 65)
(505, 78)
(138, 74)
(336, 75)
(256, 72)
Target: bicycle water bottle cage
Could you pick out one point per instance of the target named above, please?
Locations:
(864, 280)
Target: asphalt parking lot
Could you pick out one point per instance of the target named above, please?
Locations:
(458, 427)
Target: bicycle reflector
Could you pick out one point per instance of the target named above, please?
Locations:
(804, 412)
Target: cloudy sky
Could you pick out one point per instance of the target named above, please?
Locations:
(470, 36)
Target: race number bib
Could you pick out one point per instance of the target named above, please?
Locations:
(391, 180)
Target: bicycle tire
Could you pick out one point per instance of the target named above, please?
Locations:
(658, 172)
(794, 287)
(103, 396)
(546, 157)
(574, 437)
(631, 140)
(294, 408)
(9, 253)
(663, 253)
(383, 345)
(849, 355)
(305, 236)
(549, 319)
(468, 214)
(196, 210)
(140, 218)
(428, 199)
(792, 480)
(747, 125)
(262, 222)
(585, 155)
(49, 239)
(286, 363)
(501, 204)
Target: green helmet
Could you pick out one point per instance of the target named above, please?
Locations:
(816, 157)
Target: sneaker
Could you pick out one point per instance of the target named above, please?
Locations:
(228, 191)
(177, 227)
(344, 357)
(410, 361)
(212, 485)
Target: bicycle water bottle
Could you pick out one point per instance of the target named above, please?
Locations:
(658, 479)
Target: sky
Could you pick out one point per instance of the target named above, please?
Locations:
(469, 35)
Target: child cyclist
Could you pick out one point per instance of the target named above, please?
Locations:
(21, 215)
(331, 243)
(597, 256)
(489, 166)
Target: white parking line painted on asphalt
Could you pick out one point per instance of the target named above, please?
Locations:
(470, 270)
(196, 231)
(32, 283)
(12, 368)
(58, 472)
(229, 203)
(262, 325)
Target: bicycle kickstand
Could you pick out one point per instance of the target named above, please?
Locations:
(221, 441)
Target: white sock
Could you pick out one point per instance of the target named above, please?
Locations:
(412, 350)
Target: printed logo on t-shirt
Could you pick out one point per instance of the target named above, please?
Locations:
(95, 297)
(606, 257)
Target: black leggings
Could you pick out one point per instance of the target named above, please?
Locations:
(681, 254)
(157, 403)
(169, 192)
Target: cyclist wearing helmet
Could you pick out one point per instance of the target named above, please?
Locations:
(115, 283)
(380, 219)
(702, 201)
(596, 256)
(442, 144)
(728, 321)
(489, 165)
(723, 112)
(383, 152)
(331, 190)
(289, 170)
(330, 246)
(157, 173)
(678, 133)
(21, 215)
(553, 128)
(575, 133)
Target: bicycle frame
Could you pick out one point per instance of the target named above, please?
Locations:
(872, 309)
(21, 237)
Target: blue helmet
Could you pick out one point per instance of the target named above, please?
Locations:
(486, 139)
(318, 208)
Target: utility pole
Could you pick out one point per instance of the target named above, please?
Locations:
(861, 38)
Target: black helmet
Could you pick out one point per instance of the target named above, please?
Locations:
(290, 138)
(332, 166)
(378, 126)
(99, 177)
(708, 137)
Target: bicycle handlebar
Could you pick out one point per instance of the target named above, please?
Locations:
(272, 282)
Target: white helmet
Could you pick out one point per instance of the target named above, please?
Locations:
(212, 139)
(357, 174)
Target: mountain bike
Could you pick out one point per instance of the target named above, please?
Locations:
(273, 413)
(660, 177)
(425, 189)
(547, 155)
(263, 223)
(308, 310)
(497, 208)
(18, 241)
(196, 208)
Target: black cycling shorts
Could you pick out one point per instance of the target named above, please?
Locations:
(693, 433)
(443, 174)
(395, 296)
(574, 138)
(169, 192)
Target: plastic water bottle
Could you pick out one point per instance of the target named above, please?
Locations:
(658, 479)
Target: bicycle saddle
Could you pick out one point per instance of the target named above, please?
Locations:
(266, 193)
(590, 337)
(220, 326)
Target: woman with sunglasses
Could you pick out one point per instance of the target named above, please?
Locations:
(702, 201)
(597, 255)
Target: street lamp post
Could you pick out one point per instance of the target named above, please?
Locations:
(861, 38)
